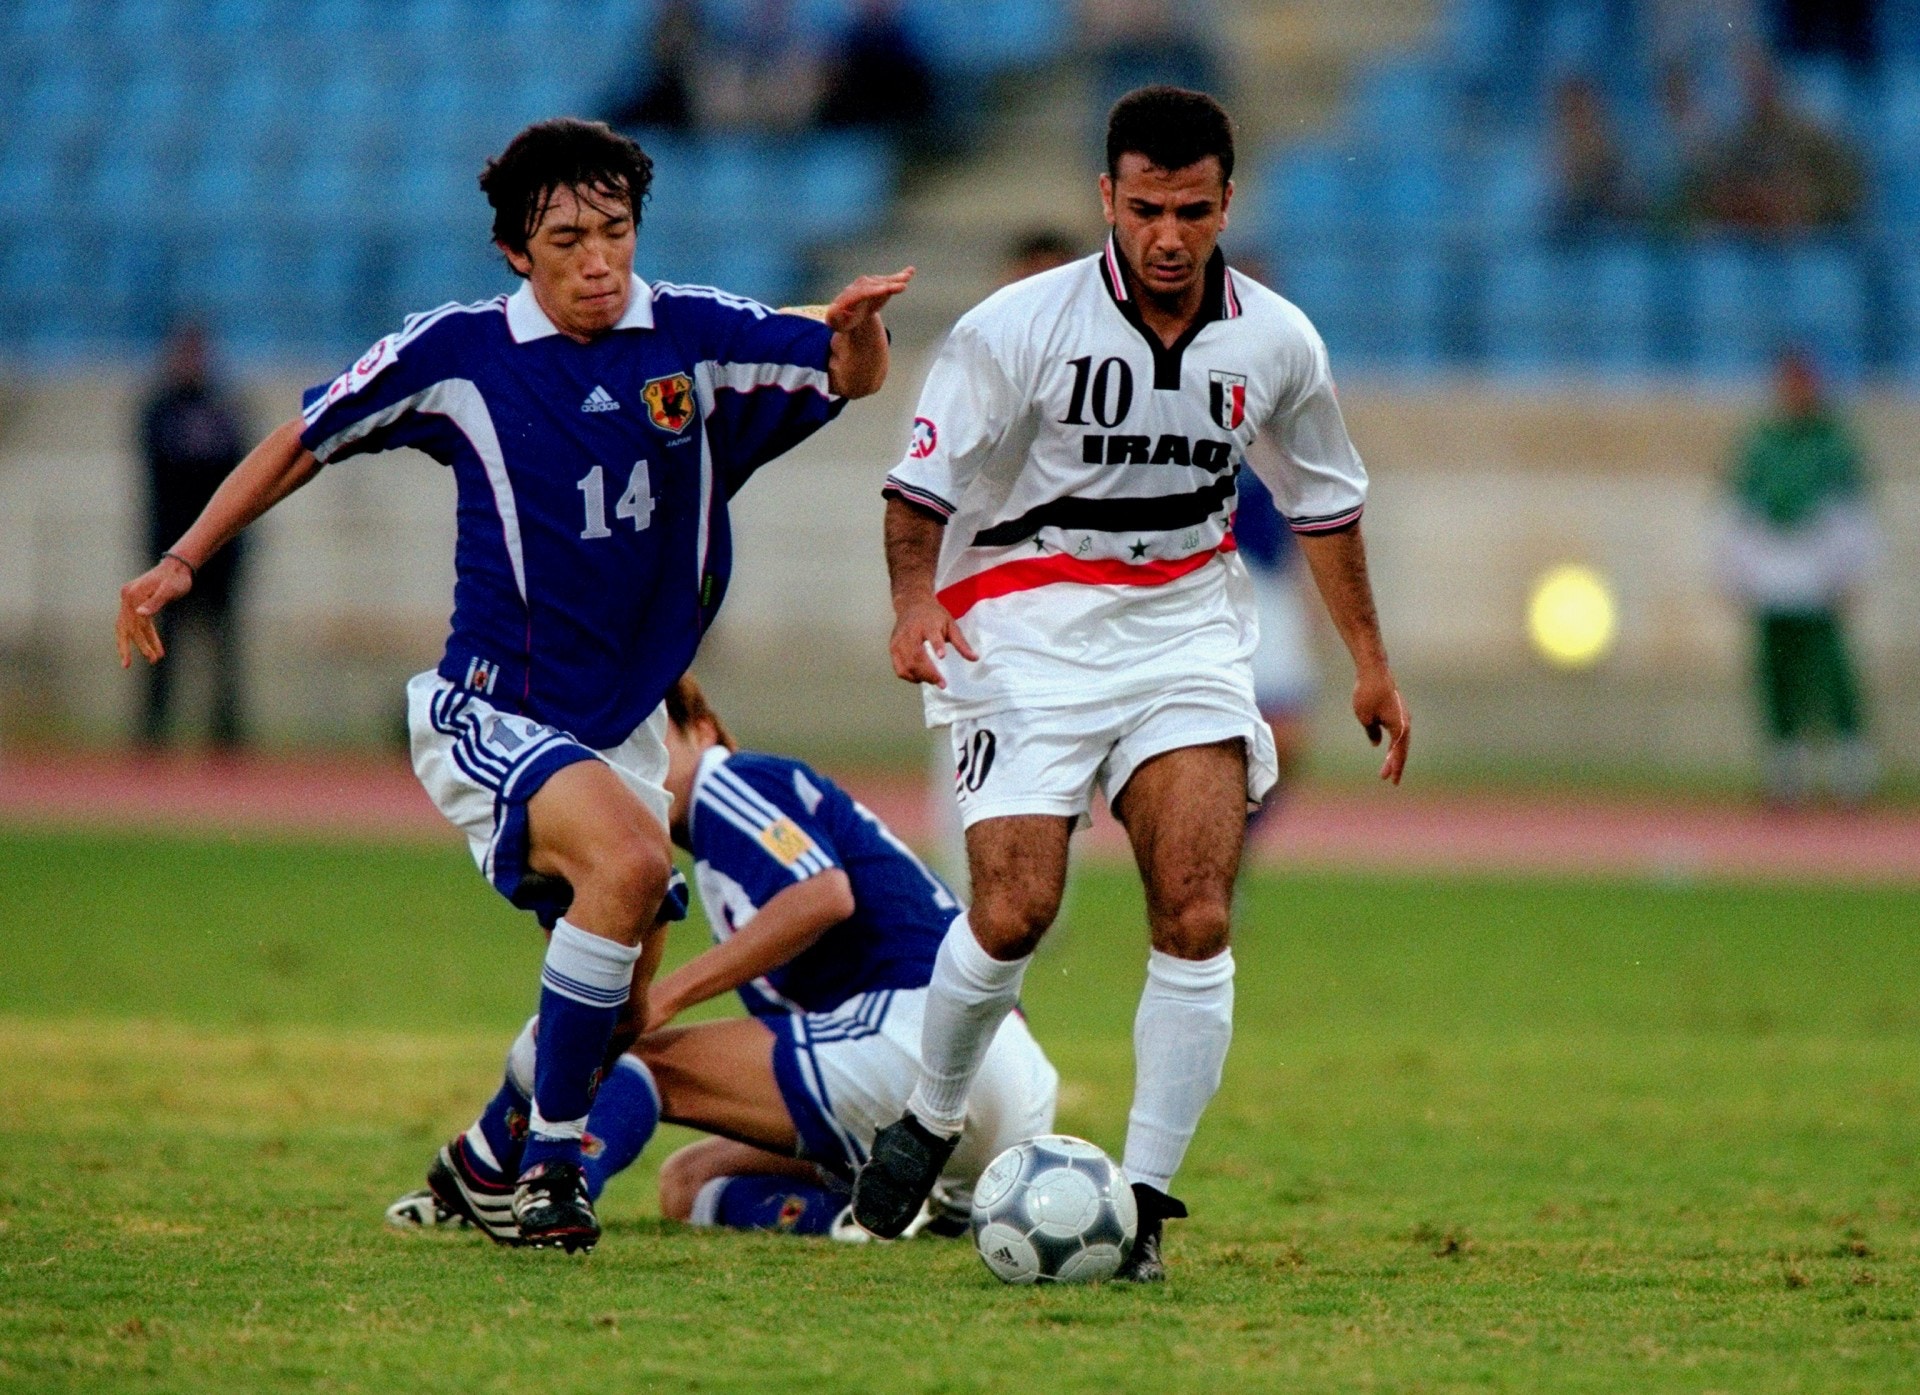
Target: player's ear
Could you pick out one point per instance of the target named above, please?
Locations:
(1106, 197)
(521, 263)
(1226, 201)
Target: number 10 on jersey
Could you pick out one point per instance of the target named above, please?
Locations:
(635, 505)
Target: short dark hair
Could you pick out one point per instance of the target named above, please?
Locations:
(564, 153)
(1042, 242)
(1172, 126)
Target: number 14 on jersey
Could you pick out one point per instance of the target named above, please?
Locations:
(635, 505)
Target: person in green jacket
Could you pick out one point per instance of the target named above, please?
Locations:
(1799, 539)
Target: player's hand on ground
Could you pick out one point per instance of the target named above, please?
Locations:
(862, 300)
(143, 598)
(925, 626)
(1381, 709)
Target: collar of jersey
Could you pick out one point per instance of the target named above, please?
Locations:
(526, 321)
(711, 760)
(1218, 303)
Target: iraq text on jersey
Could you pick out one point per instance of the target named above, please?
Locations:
(1087, 473)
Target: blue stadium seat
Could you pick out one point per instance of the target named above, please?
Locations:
(1308, 189)
(841, 185)
(1736, 319)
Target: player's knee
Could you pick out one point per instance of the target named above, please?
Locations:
(628, 874)
(1200, 929)
(681, 1178)
(1011, 924)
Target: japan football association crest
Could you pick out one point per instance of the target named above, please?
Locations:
(669, 402)
(925, 437)
(1227, 399)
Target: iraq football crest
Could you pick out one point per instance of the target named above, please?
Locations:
(1227, 399)
(669, 402)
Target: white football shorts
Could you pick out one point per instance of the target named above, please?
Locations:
(480, 766)
(846, 1074)
(1050, 760)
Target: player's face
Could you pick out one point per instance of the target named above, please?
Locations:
(1166, 222)
(580, 260)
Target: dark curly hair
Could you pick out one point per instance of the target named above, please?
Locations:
(588, 157)
(1172, 127)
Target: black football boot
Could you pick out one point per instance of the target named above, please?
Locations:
(458, 1187)
(901, 1169)
(1144, 1264)
(553, 1209)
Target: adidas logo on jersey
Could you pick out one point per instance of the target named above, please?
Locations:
(599, 400)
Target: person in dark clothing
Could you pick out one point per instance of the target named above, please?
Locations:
(881, 79)
(666, 97)
(191, 436)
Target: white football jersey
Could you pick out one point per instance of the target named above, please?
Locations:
(1086, 473)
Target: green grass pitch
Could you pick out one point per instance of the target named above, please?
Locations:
(1476, 1135)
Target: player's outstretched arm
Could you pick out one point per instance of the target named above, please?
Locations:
(1339, 565)
(272, 470)
(781, 930)
(857, 361)
(920, 622)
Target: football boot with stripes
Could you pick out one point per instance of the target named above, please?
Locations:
(553, 1209)
(1145, 1264)
(458, 1185)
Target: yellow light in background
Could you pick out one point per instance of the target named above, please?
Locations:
(1570, 616)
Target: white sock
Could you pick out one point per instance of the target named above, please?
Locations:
(969, 998)
(1180, 1039)
(520, 1058)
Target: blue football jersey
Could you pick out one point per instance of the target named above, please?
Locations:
(758, 825)
(1266, 542)
(594, 546)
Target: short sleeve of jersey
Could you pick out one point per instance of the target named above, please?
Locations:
(755, 828)
(966, 409)
(1318, 482)
(765, 376)
(385, 399)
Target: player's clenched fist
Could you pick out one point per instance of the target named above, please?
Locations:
(921, 634)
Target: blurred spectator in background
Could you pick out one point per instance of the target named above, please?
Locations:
(1798, 540)
(192, 435)
(1041, 249)
(1285, 677)
(1835, 28)
(880, 78)
(1778, 171)
(664, 94)
(764, 74)
(1136, 43)
(1594, 192)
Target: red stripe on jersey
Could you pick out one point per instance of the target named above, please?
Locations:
(1032, 572)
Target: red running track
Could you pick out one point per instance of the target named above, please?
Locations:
(1377, 829)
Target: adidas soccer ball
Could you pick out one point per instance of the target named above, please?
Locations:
(1054, 1209)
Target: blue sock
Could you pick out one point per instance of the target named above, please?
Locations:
(499, 1135)
(759, 1201)
(583, 987)
(625, 1114)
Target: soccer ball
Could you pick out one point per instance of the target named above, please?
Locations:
(1054, 1209)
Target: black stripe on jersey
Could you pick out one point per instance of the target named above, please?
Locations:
(1214, 305)
(1157, 513)
(913, 494)
(1326, 522)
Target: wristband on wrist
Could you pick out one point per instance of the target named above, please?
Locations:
(193, 572)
